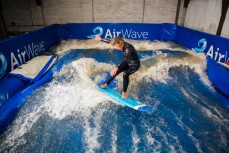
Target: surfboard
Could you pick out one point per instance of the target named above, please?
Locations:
(129, 101)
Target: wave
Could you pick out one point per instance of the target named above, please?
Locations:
(73, 94)
(67, 45)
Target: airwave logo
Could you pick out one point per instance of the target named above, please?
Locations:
(202, 44)
(30, 50)
(214, 54)
(3, 65)
(97, 31)
(125, 33)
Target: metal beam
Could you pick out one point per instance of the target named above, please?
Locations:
(3, 31)
(225, 4)
(178, 11)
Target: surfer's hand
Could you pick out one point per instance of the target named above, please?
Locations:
(98, 38)
(114, 71)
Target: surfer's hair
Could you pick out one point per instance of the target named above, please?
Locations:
(117, 40)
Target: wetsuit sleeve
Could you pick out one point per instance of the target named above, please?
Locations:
(106, 40)
(121, 62)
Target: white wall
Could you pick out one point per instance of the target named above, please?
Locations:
(225, 30)
(86, 11)
(201, 15)
(159, 11)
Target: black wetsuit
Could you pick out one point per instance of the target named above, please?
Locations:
(129, 64)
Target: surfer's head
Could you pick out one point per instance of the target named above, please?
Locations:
(118, 42)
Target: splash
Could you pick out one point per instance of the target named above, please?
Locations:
(65, 46)
(73, 94)
(162, 63)
(78, 89)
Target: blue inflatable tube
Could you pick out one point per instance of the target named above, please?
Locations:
(10, 109)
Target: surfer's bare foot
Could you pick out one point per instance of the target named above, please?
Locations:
(104, 85)
(124, 95)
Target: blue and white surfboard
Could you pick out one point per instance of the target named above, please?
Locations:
(129, 101)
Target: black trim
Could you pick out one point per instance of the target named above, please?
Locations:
(225, 4)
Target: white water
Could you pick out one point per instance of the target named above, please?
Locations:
(77, 95)
(160, 70)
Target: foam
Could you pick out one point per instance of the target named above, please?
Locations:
(151, 141)
(189, 132)
(22, 125)
(158, 70)
(212, 113)
(136, 140)
(65, 46)
(91, 134)
(114, 139)
(80, 96)
(80, 92)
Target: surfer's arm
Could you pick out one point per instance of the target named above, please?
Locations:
(116, 68)
(121, 62)
(106, 40)
(98, 38)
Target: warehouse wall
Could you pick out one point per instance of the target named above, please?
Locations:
(225, 30)
(203, 15)
(27, 15)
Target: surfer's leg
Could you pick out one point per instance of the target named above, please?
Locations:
(126, 75)
(124, 66)
(104, 85)
(125, 81)
(109, 80)
(112, 77)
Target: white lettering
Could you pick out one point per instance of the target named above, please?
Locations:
(31, 50)
(23, 55)
(118, 33)
(36, 49)
(108, 34)
(210, 52)
(145, 35)
(139, 35)
(114, 33)
(216, 55)
(42, 46)
(19, 56)
(14, 61)
(126, 33)
(134, 34)
(220, 57)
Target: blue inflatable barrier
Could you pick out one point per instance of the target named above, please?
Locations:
(220, 77)
(7, 91)
(19, 50)
(11, 107)
(106, 30)
(168, 32)
(216, 50)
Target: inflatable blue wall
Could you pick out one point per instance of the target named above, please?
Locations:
(216, 50)
(18, 50)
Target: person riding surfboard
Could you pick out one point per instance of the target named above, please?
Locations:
(128, 65)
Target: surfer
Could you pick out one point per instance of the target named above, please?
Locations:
(129, 64)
